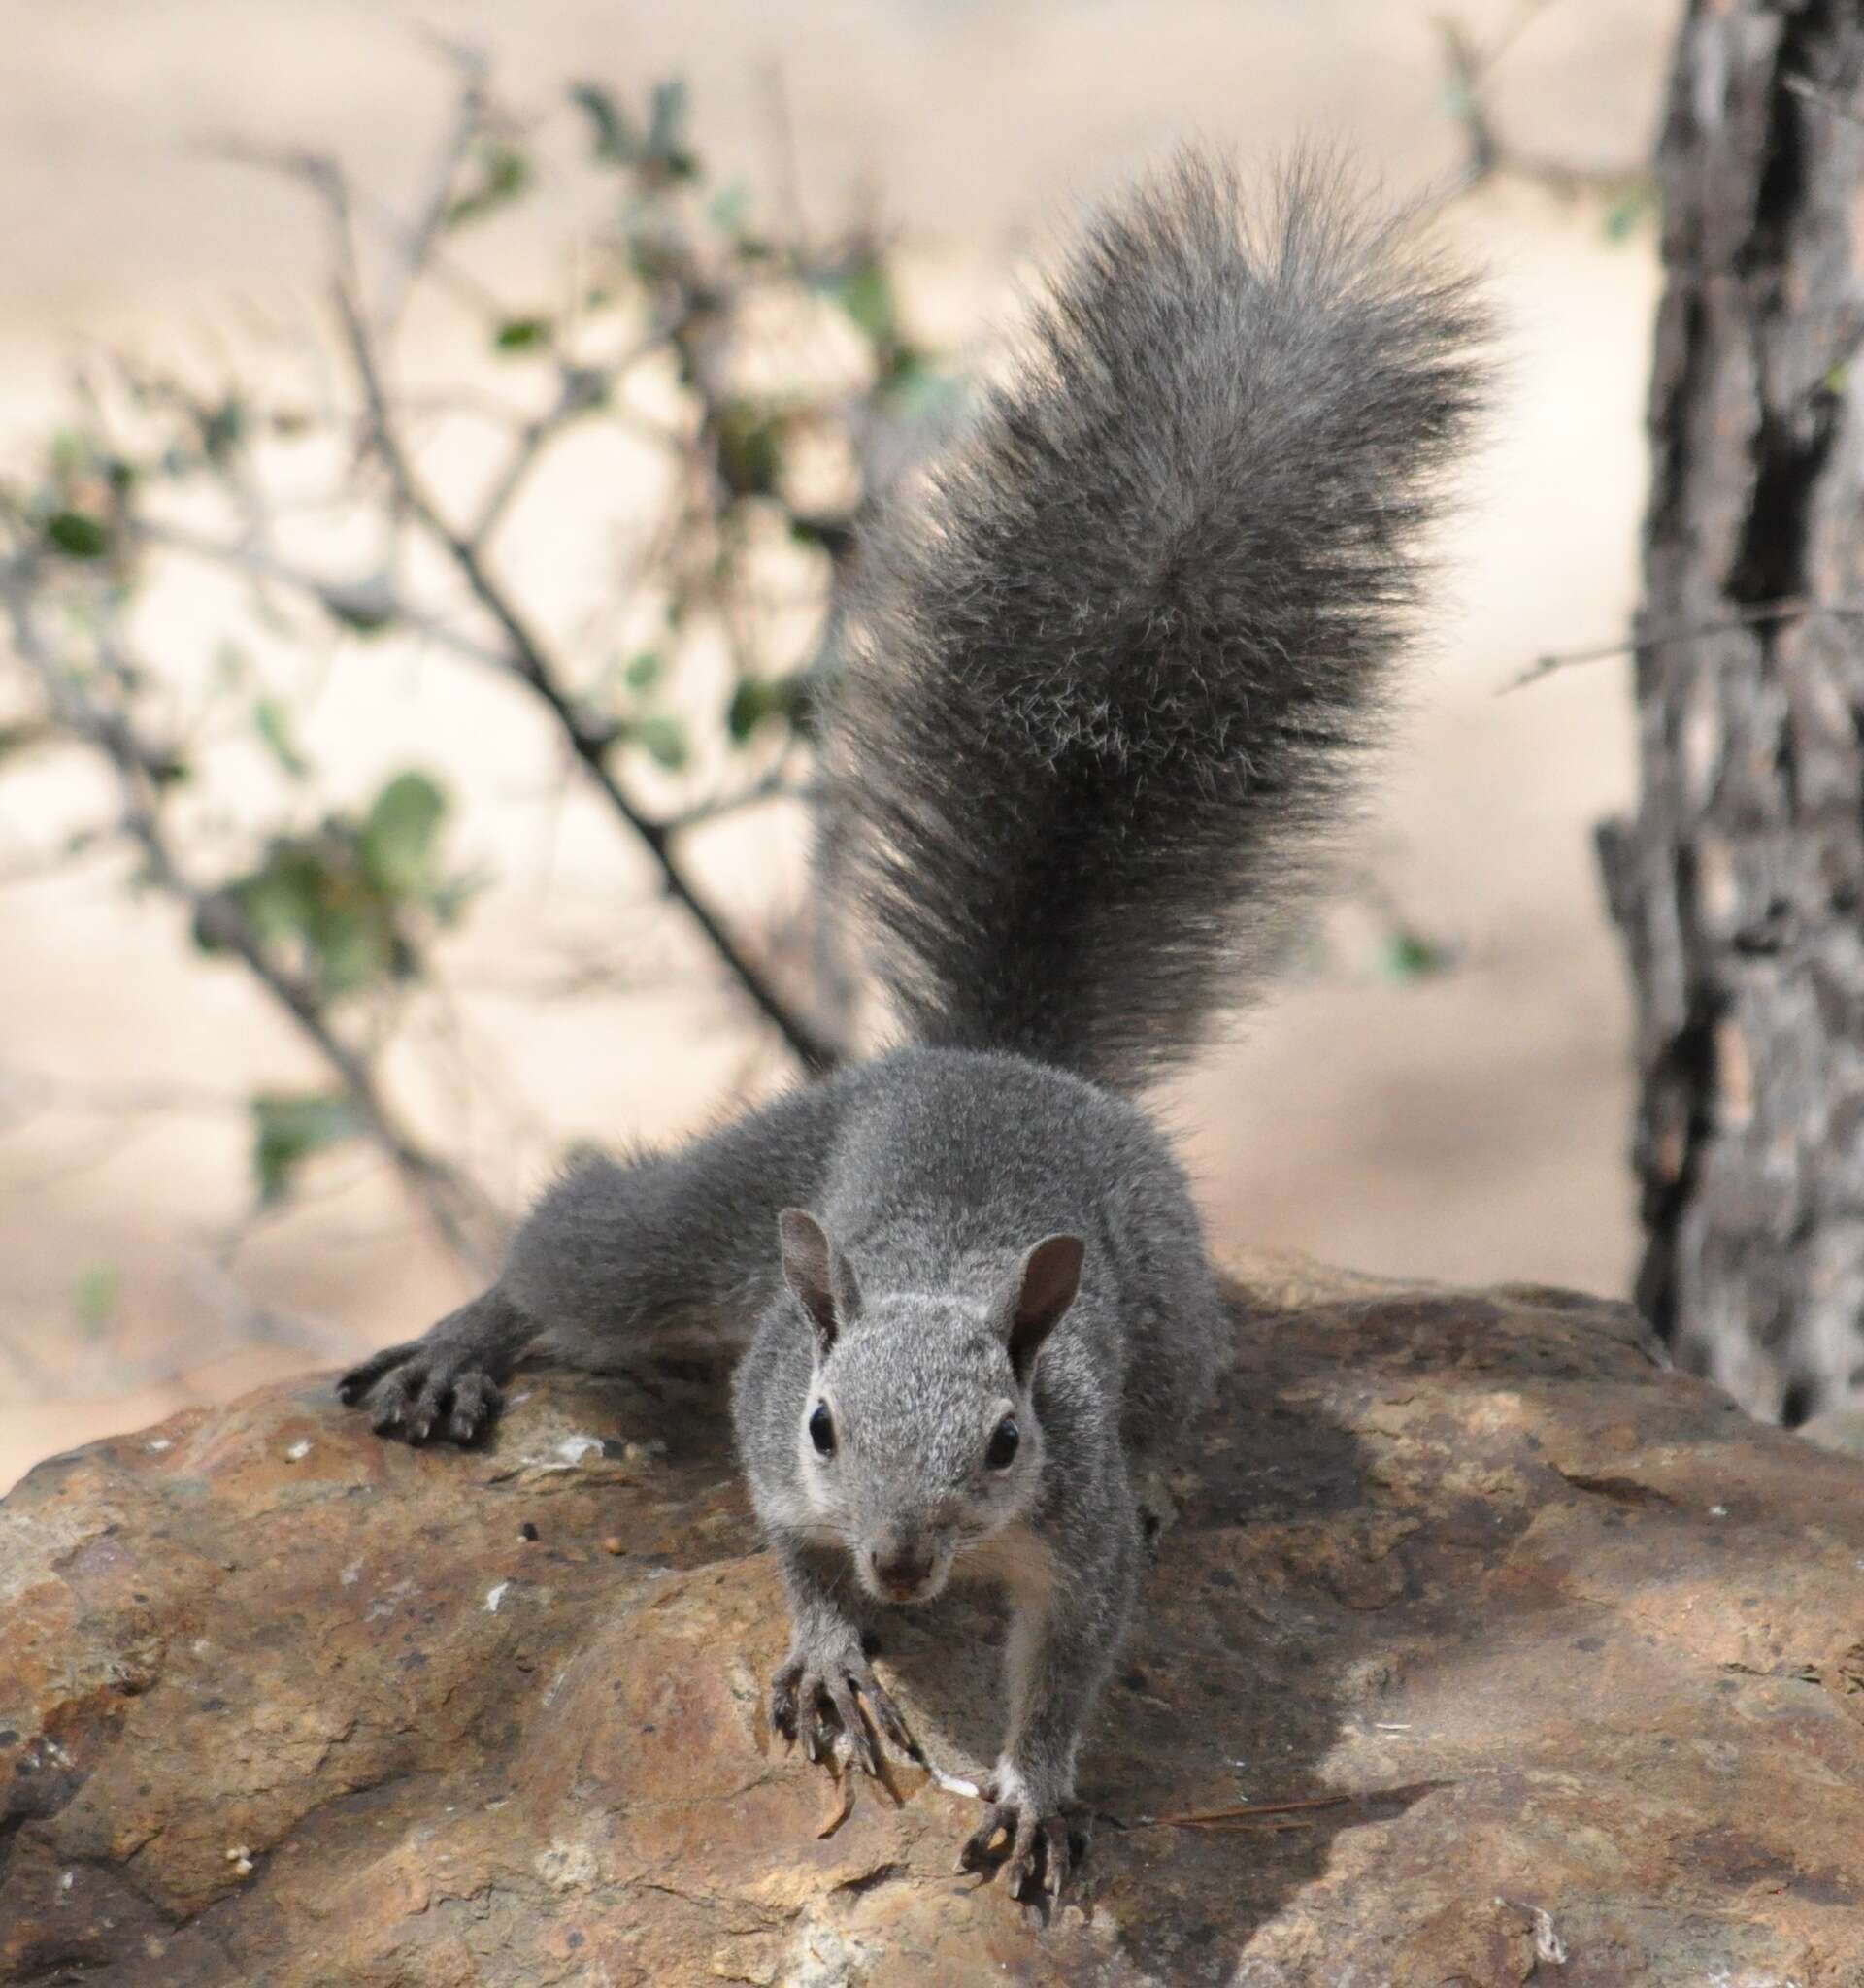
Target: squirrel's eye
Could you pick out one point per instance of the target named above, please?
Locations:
(821, 1430)
(1003, 1439)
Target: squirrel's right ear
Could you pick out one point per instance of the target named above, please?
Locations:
(822, 1277)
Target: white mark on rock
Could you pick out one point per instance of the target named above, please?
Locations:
(566, 1866)
(160, 1444)
(494, 1596)
(1549, 1947)
(66, 1882)
(351, 1573)
(1548, 1944)
(1718, 1512)
(387, 1605)
(200, 1646)
(299, 1450)
(573, 1449)
(954, 1784)
(241, 1859)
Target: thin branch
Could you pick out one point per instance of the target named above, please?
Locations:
(532, 664)
(418, 242)
(579, 390)
(1804, 86)
(457, 1211)
(775, 785)
(1245, 1812)
(1488, 154)
(344, 602)
(1764, 614)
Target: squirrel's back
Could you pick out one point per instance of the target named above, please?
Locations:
(1125, 647)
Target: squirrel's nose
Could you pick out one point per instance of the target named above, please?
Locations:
(901, 1566)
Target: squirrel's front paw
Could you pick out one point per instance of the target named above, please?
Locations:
(424, 1388)
(816, 1695)
(1043, 1844)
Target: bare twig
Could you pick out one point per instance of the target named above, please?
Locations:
(344, 602)
(455, 1208)
(580, 389)
(533, 664)
(1805, 87)
(418, 242)
(1247, 1811)
(1487, 153)
(1764, 614)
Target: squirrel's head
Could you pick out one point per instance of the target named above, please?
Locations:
(920, 1438)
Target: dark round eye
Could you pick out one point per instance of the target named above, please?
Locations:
(1003, 1439)
(821, 1430)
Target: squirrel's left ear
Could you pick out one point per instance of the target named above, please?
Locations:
(1045, 1288)
(821, 1276)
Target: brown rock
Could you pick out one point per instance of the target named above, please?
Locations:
(1584, 1647)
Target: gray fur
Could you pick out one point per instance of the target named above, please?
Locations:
(1122, 662)
(1126, 655)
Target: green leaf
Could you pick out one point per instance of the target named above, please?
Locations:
(643, 671)
(751, 447)
(1628, 212)
(365, 605)
(78, 535)
(522, 334)
(503, 174)
(663, 737)
(94, 1296)
(1414, 955)
(759, 698)
(614, 139)
(729, 207)
(273, 723)
(283, 898)
(397, 841)
(915, 390)
(354, 945)
(865, 291)
(222, 429)
(288, 1128)
(667, 145)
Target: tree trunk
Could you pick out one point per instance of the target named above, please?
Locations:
(1739, 883)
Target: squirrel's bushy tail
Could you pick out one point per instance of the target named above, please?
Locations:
(1125, 647)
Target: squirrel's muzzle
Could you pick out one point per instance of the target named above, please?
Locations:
(901, 1565)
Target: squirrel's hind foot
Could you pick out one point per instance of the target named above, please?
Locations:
(1040, 1854)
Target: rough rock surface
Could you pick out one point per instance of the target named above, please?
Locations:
(1580, 1646)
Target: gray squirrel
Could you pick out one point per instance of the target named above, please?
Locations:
(1124, 651)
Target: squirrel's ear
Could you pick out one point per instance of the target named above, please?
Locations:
(822, 1277)
(1046, 1288)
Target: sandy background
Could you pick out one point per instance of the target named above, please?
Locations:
(1466, 1126)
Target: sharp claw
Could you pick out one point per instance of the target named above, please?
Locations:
(887, 1714)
